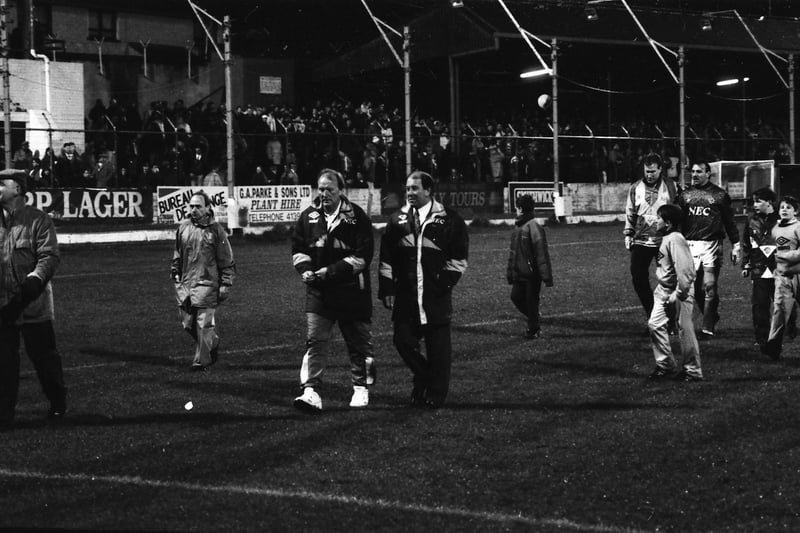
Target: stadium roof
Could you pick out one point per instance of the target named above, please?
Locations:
(482, 25)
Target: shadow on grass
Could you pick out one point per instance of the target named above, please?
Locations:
(587, 368)
(189, 417)
(130, 357)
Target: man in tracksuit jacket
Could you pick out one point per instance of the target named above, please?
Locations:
(641, 237)
(708, 216)
(29, 257)
(332, 247)
(423, 255)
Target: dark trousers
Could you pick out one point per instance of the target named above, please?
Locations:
(40, 344)
(525, 295)
(761, 300)
(432, 371)
(641, 257)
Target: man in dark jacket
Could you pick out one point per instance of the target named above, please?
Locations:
(423, 255)
(528, 265)
(332, 247)
(28, 260)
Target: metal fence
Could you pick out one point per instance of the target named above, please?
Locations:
(146, 159)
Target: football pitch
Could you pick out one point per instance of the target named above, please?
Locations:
(561, 433)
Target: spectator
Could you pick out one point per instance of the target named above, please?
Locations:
(528, 265)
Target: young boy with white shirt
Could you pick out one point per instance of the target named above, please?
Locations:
(674, 299)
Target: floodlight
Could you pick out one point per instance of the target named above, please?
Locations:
(725, 83)
(590, 13)
(457, 3)
(707, 25)
(536, 73)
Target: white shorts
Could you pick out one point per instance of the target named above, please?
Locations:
(706, 254)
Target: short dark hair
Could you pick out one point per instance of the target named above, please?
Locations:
(703, 164)
(525, 203)
(652, 159)
(791, 200)
(766, 194)
(205, 197)
(424, 177)
(671, 213)
(331, 175)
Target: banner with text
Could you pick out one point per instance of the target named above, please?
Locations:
(94, 205)
(254, 204)
(542, 193)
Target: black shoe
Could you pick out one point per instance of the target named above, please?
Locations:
(691, 378)
(532, 333)
(56, 413)
(417, 397)
(661, 374)
(433, 404)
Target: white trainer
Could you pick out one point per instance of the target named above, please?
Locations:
(309, 401)
(360, 397)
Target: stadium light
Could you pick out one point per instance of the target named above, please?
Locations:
(707, 25)
(765, 51)
(457, 3)
(591, 13)
(731, 81)
(535, 73)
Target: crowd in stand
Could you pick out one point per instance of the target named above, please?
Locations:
(180, 145)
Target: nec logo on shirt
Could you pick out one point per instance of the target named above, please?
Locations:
(699, 211)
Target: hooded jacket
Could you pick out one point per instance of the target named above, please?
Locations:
(28, 246)
(346, 249)
(421, 275)
(529, 258)
(641, 207)
(202, 262)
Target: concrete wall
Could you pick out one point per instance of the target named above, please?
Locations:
(598, 197)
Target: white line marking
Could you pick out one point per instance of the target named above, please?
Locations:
(319, 497)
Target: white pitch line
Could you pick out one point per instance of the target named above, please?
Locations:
(318, 497)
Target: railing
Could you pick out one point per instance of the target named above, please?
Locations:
(146, 159)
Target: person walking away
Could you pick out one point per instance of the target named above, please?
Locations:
(203, 271)
(423, 255)
(332, 247)
(29, 257)
(644, 198)
(528, 264)
(673, 300)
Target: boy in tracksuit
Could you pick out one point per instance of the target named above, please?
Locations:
(673, 298)
(758, 259)
(787, 266)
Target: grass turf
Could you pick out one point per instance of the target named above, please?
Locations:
(561, 433)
